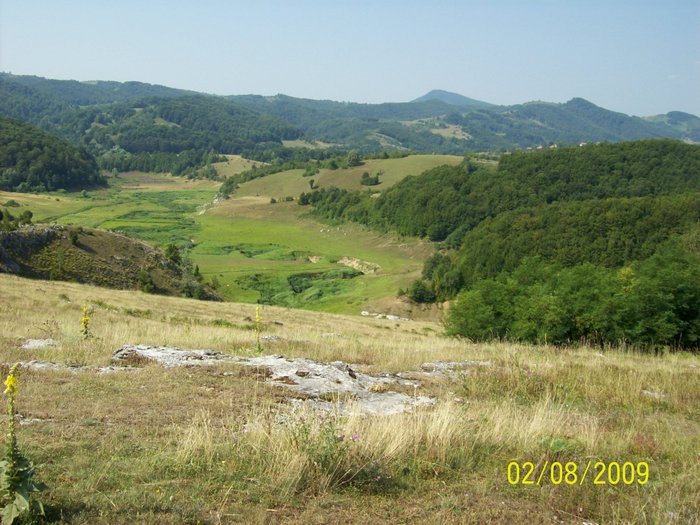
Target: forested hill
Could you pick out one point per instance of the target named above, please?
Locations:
(176, 124)
(448, 201)
(74, 93)
(453, 99)
(599, 242)
(164, 121)
(33, 160)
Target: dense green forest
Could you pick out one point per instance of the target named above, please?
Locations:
(170, 125)
(651, 303)
(33, 160)
(580, 213)
(74, 93)
(607, 232)
(139, 118)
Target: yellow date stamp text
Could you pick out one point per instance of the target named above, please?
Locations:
(572, 473)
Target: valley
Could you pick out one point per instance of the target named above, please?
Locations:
(249, 309)
(249, 246)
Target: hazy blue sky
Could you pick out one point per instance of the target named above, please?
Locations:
(640, 57)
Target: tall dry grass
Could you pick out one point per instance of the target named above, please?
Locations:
(226, 447)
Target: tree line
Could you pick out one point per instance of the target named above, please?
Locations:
(185, 163)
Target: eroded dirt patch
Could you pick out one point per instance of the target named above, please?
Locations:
(362, 266)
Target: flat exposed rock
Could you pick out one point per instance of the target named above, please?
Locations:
(271, 338)
(48, 365)
(355, 391)
(450, 367)
(388, 317)
(655, 395)
(35, 344)
(348, 388)
(360, 265)
(31, 420)
(388, 404)
(169, 357)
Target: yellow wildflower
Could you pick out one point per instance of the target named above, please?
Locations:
(85, 321)
(11, 384)
(258, 348)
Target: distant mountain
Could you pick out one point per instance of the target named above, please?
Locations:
(685, 123)
(452, 99)
(542, 123)
(139, 117)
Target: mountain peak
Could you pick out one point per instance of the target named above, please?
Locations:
(453, 99)
(578, 102)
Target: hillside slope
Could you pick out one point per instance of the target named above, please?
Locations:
(75, 93)
(225, 443)
(94, 257)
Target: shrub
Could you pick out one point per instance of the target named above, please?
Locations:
(144, 282)
(420, 292)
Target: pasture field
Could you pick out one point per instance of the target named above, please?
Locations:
(157, 208)
(438, 128)
(218, 444)
(246, 236)
(292, 183)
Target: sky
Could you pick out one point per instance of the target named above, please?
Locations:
(639, 57)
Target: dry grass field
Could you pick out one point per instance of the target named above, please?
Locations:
(220, 445)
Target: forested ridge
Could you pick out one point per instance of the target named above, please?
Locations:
(169, 125)
(651, 303)
(140, 117)
(607, 232)
(446, 202)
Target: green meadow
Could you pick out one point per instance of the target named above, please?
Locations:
(248, 236)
